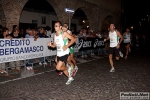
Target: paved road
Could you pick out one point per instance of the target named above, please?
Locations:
(92, 82)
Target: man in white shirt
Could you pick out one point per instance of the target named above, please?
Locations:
(115, 40)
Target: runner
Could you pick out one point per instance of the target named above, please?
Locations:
(115, 42)
(127, 41)
(71, 54)
(61, 42)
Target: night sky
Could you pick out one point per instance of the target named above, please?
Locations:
(135, 11)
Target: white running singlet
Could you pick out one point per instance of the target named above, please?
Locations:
(60, 42)
(114, 39)
(127, 38)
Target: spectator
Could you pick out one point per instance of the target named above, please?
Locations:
(22, 33)
(14, 28)
(48, 31)
(42, 33)
(27, 33)
(84, 32)
(80, 35)
(16, 64)
(89, 35)
(94, 34)
(99, 34)
(30, 34)
(4, 36)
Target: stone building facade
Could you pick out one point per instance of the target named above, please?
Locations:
(96, 11)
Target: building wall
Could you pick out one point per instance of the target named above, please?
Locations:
(95, 10)
(28, 16)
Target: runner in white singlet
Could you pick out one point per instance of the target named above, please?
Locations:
(127, 41)
(115, 40)
(62, 45)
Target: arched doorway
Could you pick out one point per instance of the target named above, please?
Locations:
(79, 20)
(106, 23)
(37, 13)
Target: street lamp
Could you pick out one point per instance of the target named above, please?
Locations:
(83, 21)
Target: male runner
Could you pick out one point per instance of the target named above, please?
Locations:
(127, 41)
(115, 40)
(62, 45)
(71, 54)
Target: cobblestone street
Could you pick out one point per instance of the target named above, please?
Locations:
(92, 82)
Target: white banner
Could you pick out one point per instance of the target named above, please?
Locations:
(18, 49)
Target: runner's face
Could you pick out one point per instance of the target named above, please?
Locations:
(57, 27)
(112, 26)
(64, 28)
(65, 25)
(127, 30)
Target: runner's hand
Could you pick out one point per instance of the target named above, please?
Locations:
(49, 44)
(118, 46)
(64, 47)
(105, 40)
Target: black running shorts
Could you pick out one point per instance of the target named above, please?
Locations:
(63, 58)
(113, 50)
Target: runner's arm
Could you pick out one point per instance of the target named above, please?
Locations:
(72, 39)
(53, 45)
(124, 34)
(106, 39)
(121, 38)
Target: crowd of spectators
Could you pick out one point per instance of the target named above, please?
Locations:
(45, 32)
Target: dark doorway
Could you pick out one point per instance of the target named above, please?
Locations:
(82, 20)
(73, 27)
(53, 23)
(27, 25)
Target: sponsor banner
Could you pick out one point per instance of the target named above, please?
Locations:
(89, 43)
(18, 49)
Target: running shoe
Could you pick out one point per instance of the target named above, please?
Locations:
(45, 63)
(28, 68)
(112, 70)
(70, 71)
(69, 81)
(121, 54)
(85, 56)
(75, 71)
(3, 71)
(31, 68)
(60, 73)
(92, 54)
(40, 63)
